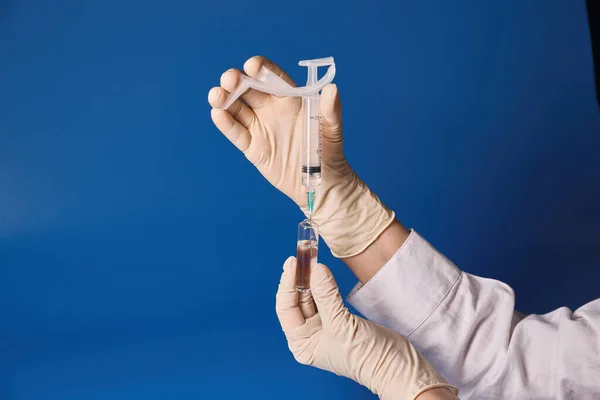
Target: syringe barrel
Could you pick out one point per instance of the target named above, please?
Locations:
(311, 142)
(306, 256)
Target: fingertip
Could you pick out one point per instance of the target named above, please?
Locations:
(291, 260)
(230, 79)
(288, 276)
(216, 96)
(330, 104)
(330, 90)
(320, 275)
(253, 64)
(320, 270)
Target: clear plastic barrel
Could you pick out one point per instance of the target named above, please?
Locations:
(306, 253)
(311, 143)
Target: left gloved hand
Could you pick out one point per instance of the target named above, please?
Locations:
(335, 340)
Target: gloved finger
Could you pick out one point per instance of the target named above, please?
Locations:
(254, 64)
(327, 296)
(238, 110)
(302, 341)
(306, 304)
(286, 304)
(233, 130)
(331, 112)
(255, 98)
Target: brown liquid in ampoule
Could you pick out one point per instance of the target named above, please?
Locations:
(306, 259)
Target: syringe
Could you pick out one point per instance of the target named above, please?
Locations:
(268, 82)
(311, 133)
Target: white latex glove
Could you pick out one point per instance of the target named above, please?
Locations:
(268, 130)
(337, 341)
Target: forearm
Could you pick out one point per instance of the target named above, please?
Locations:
(366, 264)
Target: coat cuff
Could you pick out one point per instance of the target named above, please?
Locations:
(408, 288)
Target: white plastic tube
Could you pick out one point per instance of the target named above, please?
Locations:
(268, 82)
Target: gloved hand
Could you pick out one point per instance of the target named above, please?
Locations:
(268, 130)
(337, 341)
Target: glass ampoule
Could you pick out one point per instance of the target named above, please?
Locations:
(306, 253)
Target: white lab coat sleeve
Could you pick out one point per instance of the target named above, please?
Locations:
(467, 328)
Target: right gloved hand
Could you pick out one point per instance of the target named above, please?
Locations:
(268, 130)
(335, 340)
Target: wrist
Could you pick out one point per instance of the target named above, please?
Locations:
(349, 215)
(412, 376)
(369, 262)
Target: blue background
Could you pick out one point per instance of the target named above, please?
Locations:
(134, 261)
